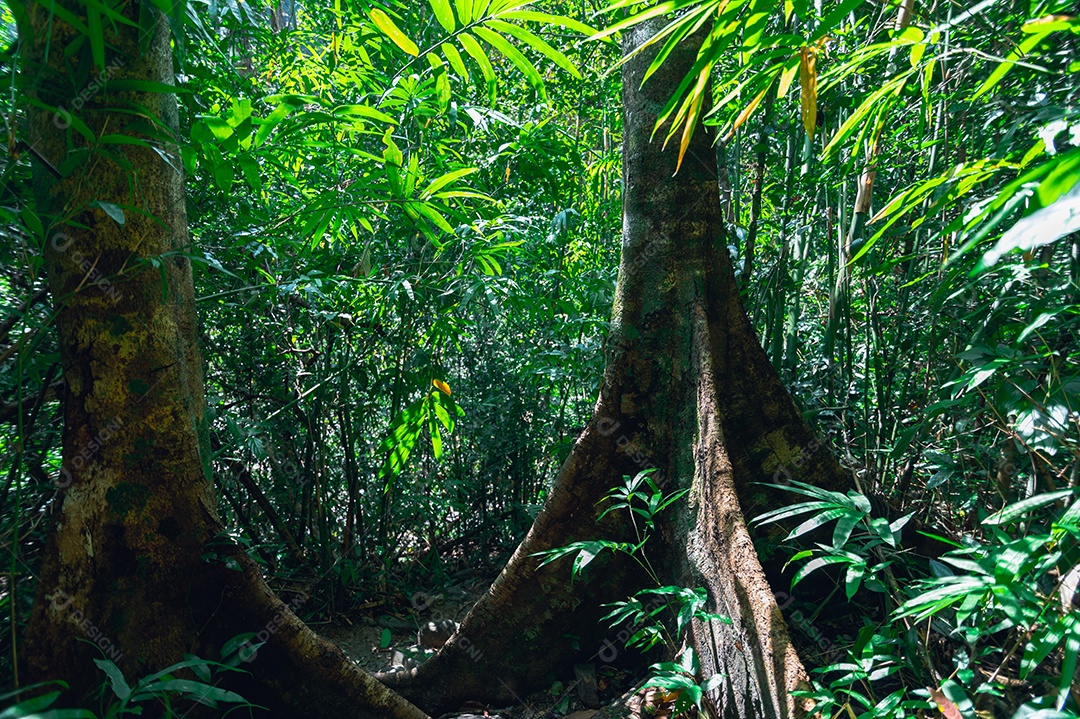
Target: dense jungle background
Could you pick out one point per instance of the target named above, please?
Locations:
(405, 227)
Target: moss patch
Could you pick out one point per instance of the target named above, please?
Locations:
(127, 497)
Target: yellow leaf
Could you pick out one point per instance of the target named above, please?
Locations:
(747, 112)
(786, 78)
(692, 115)
(808, 81)
(441, 386)
(384, 23)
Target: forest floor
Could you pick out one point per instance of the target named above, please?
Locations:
(370, 634)
(382, 635)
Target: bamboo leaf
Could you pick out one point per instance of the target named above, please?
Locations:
(464, 11)
(815, 564)
(546, 19)
(1024, 506)
(444, 14)
(788, 76)
(675, 32)
(692, 115)
(446, 179)
(536, 43)
(834, 18)
(1041, 227)
(808, 84)
(471, 46)
(456, 62)
(522, 63)
(656, 11)
(1026, 46)
(97, 37)
(384, 23)
(746, 113)
(868, 106)
(816, 521)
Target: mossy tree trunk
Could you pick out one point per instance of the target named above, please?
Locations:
(125, 568)
(688, 391)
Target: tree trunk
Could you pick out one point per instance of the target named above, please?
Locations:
(134, 563)
(687, 390)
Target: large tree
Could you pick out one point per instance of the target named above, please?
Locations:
(134, 557)
(687, 390)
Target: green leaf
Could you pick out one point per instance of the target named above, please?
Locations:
(1025, 506)
(1068, 666)
(446, 179)
(659, 10)
(818, 520)
(250, 167)
(844, 527)
(546, 19)
(128, 85)
(454, 57)
(522, 63)
(116, 678)
(853, 579)
(433, 215)
(1039, 322)
(97, 37)
(29, 707)
(364, 111)
(444, 14)
(815, 564)
(464, 11)
(1026, 46)
(223, 176)
(236, 643)
(536, 43)
(871, 106)
(53, 7)
(793, 510)
(833, 19)
(471, 46)
(384, 23)
(112, 210)
(117, 139)
(200, 692)
(1060, 219)
(32, 222)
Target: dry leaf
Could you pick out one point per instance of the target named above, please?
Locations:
(948, 709)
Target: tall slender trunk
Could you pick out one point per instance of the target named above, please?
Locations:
(688, 391)
(760, 164)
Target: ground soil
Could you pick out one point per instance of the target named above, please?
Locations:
(361, 634)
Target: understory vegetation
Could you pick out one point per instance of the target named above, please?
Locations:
(405, 223)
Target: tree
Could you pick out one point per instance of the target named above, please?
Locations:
(687, 390)
(135, 555)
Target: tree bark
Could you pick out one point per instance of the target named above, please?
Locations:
(687, 390)
(134, 563)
